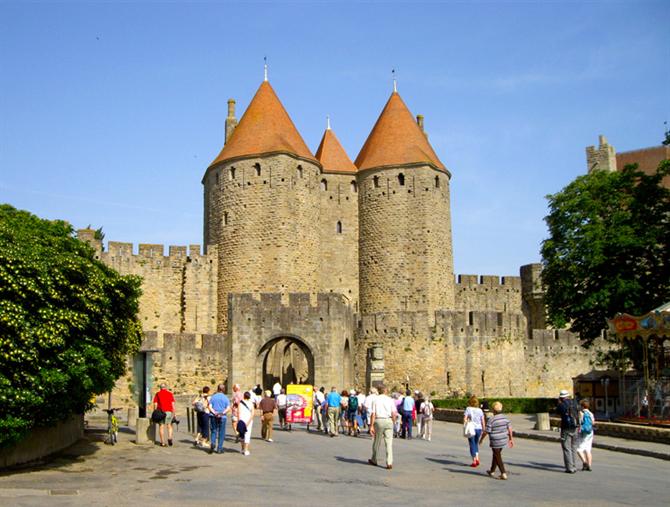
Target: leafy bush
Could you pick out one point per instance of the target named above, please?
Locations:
(67, 323)
(510, 405)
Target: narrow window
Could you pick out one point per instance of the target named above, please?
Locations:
(376, 181)
(324, 184)
(300, 171)
(225, 218)
(354, 186)
(217, 178)
(437, 182)
(258, 169)
(231, 174)
(401, 179)
(339, 227)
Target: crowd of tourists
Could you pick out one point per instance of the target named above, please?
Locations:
(382, 416)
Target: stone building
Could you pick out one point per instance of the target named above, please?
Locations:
(321, 270)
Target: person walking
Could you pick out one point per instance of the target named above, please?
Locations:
(383, 414)
(245, 422)
(352, 413)
(268, 405)
(318, 399)
(476, 415)
(408, 406)
(369, 399)
(586, 420)
(567, 409)
(282, 403)
(427, 410)
(344, 407)
(499, 430)
(418, 401)
(201, 407)
(333, 401)
(164, 400)
(237, 397)
(276, 389)
(219, 408)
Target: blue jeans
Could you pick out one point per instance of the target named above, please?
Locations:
(407, 424)
(218, 433)
(474, 443)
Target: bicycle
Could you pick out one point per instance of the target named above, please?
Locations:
(112, 426)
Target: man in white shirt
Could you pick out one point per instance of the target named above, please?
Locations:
(276, 389)
(368, 406)
(319, 399)
(383, 414)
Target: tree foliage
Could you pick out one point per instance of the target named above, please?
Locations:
(67, 323)
(608, 249)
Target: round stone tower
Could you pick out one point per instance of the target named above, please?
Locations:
(405, 246)
(261, 205)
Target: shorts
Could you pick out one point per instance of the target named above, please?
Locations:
(168, 418)
(352, 416)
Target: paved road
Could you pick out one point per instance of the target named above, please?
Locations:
(311, 469)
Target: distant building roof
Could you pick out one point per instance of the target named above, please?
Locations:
(332, 156)
(396, 139)
(264, 128)
(647, 160)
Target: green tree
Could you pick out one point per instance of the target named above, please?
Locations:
(67, 323)
(608, 249)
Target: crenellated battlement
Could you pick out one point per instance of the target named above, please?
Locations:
(307, 304)
(118, 249)
(553, 340)
(478, 282)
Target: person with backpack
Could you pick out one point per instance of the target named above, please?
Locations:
(201, 407)
(567, 409)
(586, 420)
(352, 413)
(427, 409)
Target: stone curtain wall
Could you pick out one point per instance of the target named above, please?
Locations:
(405, 240)
(178, 290)
(263, 213)
(324, 323)
(338, 252)
(488, 293)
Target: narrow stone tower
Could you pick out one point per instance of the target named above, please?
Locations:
(405, 249)
(261, 203)
(339, 219)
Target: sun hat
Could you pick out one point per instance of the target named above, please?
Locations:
(564, 394)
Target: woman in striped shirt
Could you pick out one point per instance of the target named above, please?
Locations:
(499, 430)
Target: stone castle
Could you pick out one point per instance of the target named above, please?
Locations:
(322, 270)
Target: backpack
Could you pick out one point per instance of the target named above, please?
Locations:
(570, 411)
(587, 423)
(353, 404)
(427, 408)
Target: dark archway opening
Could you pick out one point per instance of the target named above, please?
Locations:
(286, 360)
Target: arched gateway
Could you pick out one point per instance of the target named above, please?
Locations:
(287, 360)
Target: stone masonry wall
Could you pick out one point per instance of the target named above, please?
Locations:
(178, 289)
(338, 253)
(323, 324)
(262, 213)
(488, 293)
(405, 240)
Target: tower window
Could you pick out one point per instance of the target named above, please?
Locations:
(225, 218)
(401, 179)
(217, 178)
(376, 181)
(324, 184)
(300, 171)
(258, 169)
(437, 182)
(339, 227)
(231, 174)
(354, 186)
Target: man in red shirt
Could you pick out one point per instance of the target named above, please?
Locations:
(164, 400)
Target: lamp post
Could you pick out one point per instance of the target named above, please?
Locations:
(605, 381)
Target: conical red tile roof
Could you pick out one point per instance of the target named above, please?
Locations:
(265, 127)
(396, 139)
(332, 156)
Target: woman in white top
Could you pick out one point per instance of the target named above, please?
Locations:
(245, 412)
(476, 415)
(426, 410)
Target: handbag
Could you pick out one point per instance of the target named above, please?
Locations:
(469, 429)
(158, 416)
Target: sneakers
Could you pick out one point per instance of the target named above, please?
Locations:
(503, 477)
(270, 440)
(170, 442)
(489, 473)
(246, 453)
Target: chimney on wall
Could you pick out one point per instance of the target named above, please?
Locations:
(231, 121)
(419, 122)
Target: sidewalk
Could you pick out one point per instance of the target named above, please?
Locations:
(524, 425)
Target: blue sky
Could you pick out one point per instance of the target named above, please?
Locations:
(110, 112)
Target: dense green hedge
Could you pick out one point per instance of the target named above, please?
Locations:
(67, 323)
(510, 405)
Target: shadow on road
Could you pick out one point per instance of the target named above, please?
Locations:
(550, 467)
(352, 460)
